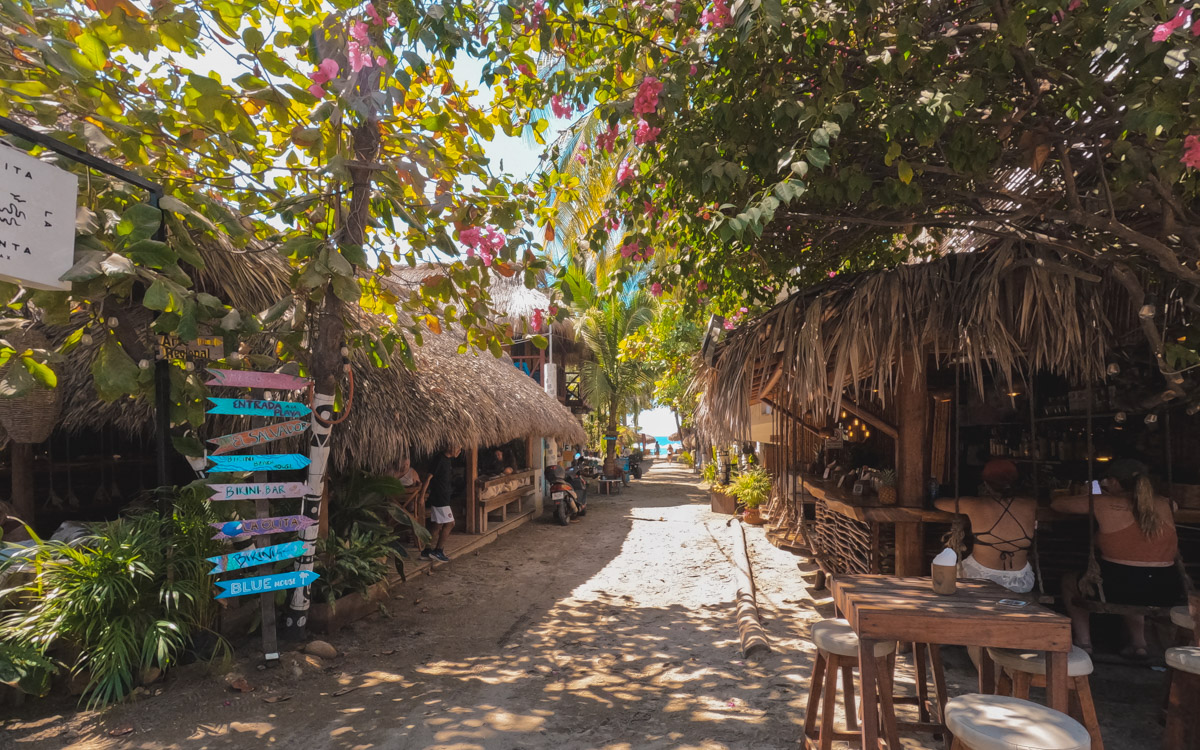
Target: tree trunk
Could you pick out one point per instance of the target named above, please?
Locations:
(21, 456)
(610, 454)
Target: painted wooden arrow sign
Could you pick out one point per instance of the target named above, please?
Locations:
(248, 558)
(257, 436)
(258, 462)
(258, 491)
(255, 408)
(266, 584)
(257, 526)
(251, 379)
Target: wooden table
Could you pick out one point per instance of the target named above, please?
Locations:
(886, 608)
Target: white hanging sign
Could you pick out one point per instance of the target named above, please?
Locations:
(37, 221)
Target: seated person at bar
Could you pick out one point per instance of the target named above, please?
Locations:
(406, 474)
(498, 462)
(1138, 546)
(1003, 525)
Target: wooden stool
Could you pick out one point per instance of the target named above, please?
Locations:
(1182, 618)
(610, 486)
(1021, 670)
(837, 648)
(998, 722)
(1182, 709)
(926, 667)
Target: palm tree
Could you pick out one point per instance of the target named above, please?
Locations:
(611, 382)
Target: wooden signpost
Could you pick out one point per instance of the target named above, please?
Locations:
(259, 526)
(260, 491)
(258, 462)
(257, 436)
(258, 408)
(248, 379)
(257, 490)
(266, 584)
(252, 556)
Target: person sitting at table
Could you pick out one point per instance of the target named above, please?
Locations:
(1003, 524)
(498, 463)
(1138, 545)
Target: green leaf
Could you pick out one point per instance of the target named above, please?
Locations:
(40, 372)
(87, 266)
(114, 372)
(188, 445)
(17, 382)
(904, 171)
(818, 157)
(139, 222)
(94, 50)
(158, 297)
(540, 341)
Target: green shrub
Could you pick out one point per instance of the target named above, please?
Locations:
(709, 473)
(752, 487)
(129, 596)
(686, 458)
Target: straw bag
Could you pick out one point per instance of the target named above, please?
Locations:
(32, 417)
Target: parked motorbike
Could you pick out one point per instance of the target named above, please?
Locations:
(569, 497)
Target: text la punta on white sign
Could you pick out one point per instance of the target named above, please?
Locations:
(37, 221)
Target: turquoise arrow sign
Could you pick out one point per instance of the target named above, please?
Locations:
(266, 584)
(248, 558)
(258, 462)
(253, 408)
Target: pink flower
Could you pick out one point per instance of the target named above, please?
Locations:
(692, 69)
(718, 16)
(649, 208)
(560, 109)
(380, 61)
(317, 91)
(554, 309)
(358, 58)
(1075, 5)
(358, 31)
(495, 240)
(471, 236)
(625, 173)
(646, 100)
(325, 72)
(373, 14)
(535, 320)
(1164, 30)
(701, 286)
(486, 256)
(645, 134)
(1191, 151)
(832, 274)
(607, 140)
(629, 249)
(730, 324)
(525, 70)
(392, 20)
(656, 289)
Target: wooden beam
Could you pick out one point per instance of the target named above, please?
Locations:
(872, 419)
(473, 510)
(788, 413)
(912, 461)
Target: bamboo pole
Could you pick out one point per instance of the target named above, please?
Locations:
(750, 629)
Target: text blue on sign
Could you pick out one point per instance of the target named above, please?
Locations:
(266, 584)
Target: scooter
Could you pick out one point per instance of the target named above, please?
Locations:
(569, 502)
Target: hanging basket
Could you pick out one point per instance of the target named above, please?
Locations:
(32, 417)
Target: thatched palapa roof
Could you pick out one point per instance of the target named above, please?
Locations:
(1010, 309)
(466, 398)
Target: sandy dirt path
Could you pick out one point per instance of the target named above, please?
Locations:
(616, 632)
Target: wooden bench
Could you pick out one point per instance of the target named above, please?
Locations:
(503, 500)
(610, 486)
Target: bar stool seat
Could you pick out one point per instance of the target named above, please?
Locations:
(1182, 618)
(837, 637)
(997, 722)
(1079, 664)
(1184, 658)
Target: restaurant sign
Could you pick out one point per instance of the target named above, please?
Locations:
(37, 221)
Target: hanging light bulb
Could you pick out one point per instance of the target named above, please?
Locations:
(1120, 417)
(1146, 311)
(1151, 418)
(1114, 368)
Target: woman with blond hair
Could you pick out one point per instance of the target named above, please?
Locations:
(1138, 546)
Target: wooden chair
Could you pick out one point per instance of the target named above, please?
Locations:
(1021, 670)
(999, 722)
(837, 649)
(413, 502)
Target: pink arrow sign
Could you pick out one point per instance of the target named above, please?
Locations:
(257, 491)
(257, 526)
(257, 436)
(251, 379)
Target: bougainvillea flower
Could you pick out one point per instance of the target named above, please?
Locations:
(701, 286)
(560, 109)
(1191, 151)
(317, 91)
(656, 289)
(525, 70)
(607, 140)
(718, 16)
(471, 236)
(1165, 30)
(358, 31)
(625, 173)
(373, 14)
(392, 21)
(358, 58)
(646, 100)
(535, 320)
(832, 274)
(645, 134)
(325, 72)
(692, 70)
(554, 309)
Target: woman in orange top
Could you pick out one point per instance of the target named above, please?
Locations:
(1138, 546)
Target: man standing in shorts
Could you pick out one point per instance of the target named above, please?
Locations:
(441, 486)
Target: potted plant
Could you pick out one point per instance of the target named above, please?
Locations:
(887, 487)
(752, 488)
(721, 500)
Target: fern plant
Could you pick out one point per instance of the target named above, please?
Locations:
(129, 596)
(709, 473)
(751, 487)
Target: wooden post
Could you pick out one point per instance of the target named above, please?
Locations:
(472, 511)
(21, 459)
(912, 461)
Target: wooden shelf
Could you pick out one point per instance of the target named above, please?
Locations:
(869, 509)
